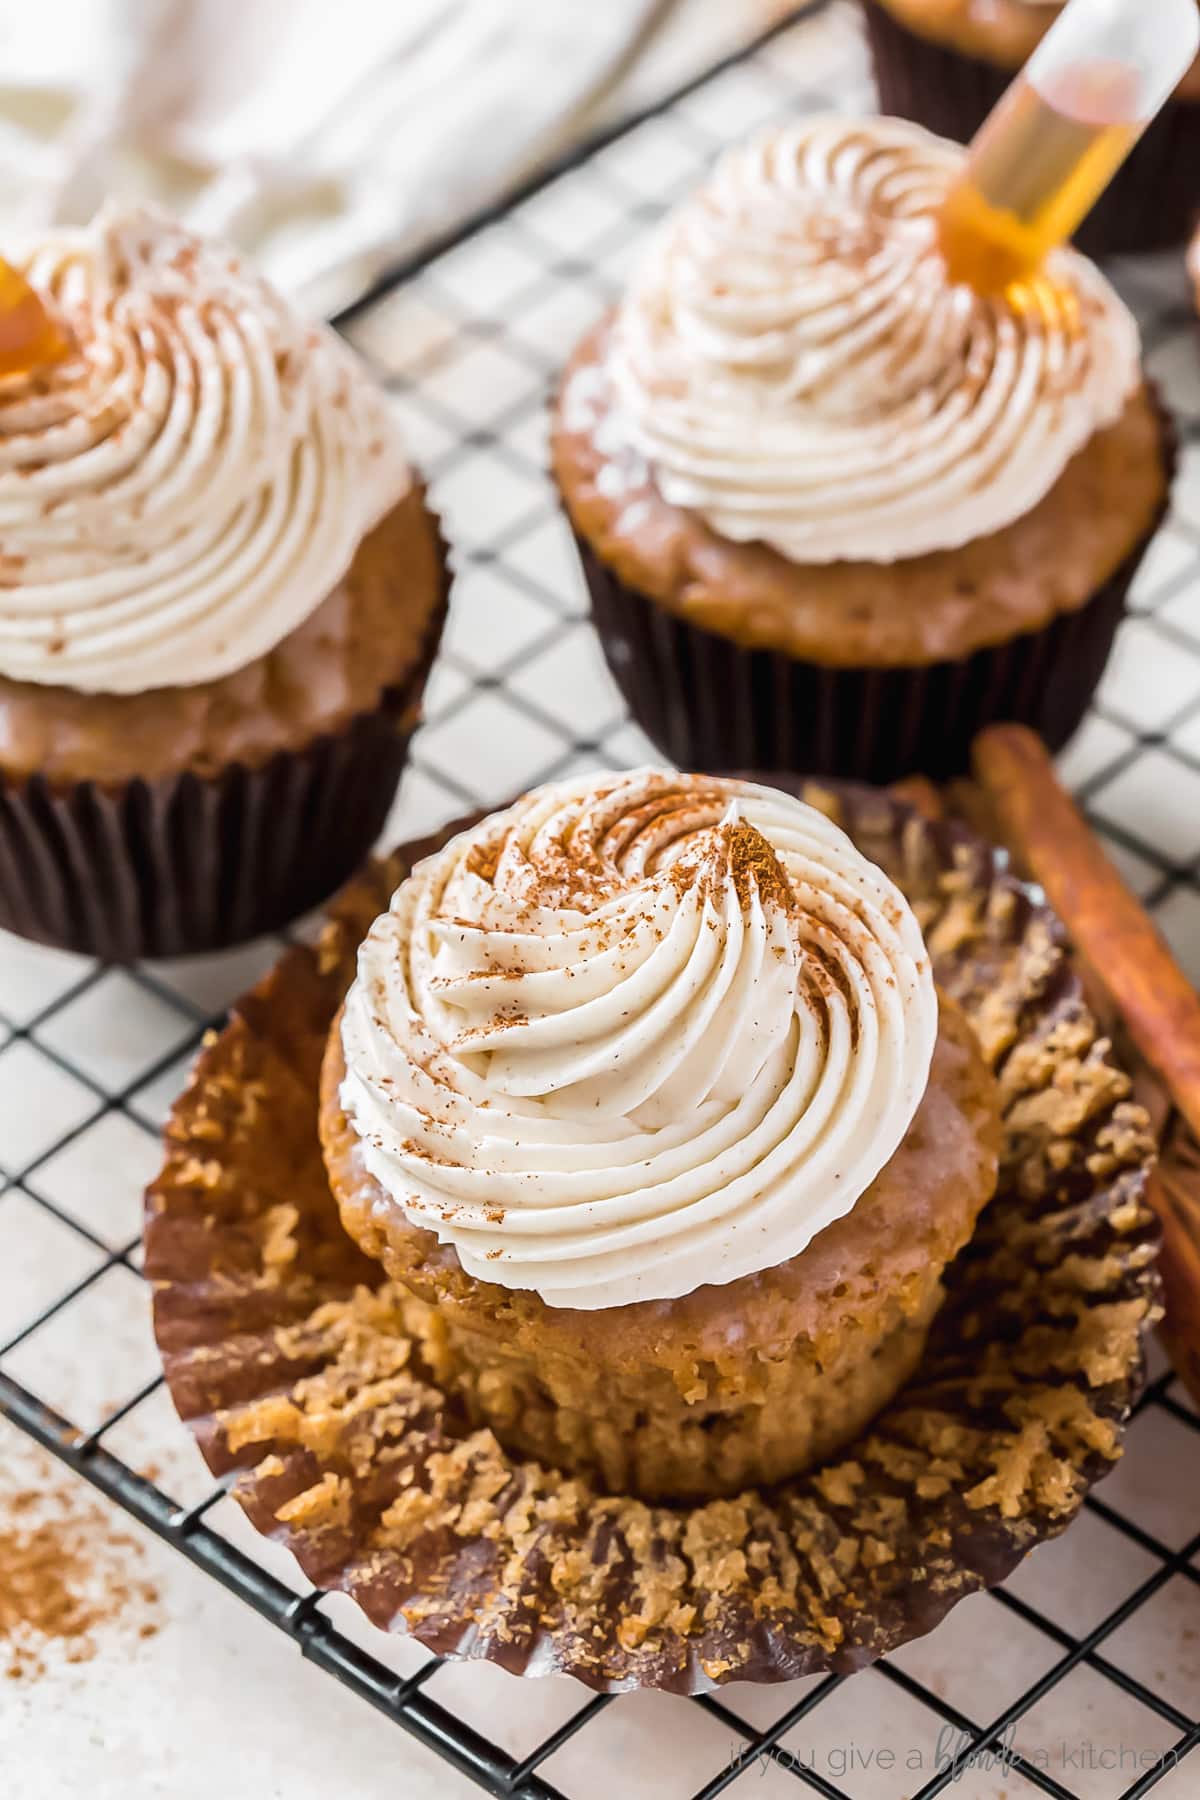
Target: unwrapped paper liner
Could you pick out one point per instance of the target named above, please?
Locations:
(282, 1350)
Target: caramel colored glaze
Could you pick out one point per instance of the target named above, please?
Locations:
(29, 338)
(913, 1219)
(367, 635)
(924, 609)
(1006, 32)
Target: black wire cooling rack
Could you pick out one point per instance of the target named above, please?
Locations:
(469, 338)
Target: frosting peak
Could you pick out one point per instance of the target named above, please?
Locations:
(794, 363)
(186, 487)
(637, 1034)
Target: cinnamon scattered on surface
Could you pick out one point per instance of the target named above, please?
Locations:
(65, 1574)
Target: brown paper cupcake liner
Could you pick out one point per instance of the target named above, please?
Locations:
(283, 1351)
(1154, 199)
(195, 862)
(710, 704)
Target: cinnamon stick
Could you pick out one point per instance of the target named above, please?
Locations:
(920, 793)
(1107, 922)
(1125, 958)
(1175, 1196)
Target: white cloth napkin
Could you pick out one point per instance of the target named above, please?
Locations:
(328, 137)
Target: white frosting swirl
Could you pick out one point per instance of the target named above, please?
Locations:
(637, 1034)
(186, 487)
(793, 363)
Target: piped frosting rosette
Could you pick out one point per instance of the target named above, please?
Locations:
(637, 1034)
(187, 486)
(793, 363)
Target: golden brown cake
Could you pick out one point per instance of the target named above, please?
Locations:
(1004, 32)
(728, 1386)
(373, 633)
(220, 594)
(943, 606)
(835, 511)
(1193, 264)
(714, 935)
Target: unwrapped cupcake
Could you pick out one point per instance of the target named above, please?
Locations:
(836, 513)
(757, 1258)
(220, 594)
(946, 63)
(644, 1097)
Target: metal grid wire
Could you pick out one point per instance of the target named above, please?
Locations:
(469, 342)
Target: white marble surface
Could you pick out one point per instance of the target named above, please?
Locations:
(218, 1704)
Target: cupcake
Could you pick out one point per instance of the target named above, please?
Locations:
(220, 594)
(946, 63)
(560, 1254)
(643, 1093)
(835, 512)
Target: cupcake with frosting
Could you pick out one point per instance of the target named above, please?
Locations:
(946, 64)
(646, 1101)
(836, 512)
(220, 593)
(532, 1247)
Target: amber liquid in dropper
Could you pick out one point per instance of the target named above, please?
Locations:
(29, 337)
(1035, 171)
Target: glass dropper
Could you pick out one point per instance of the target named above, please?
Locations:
(1045, 155)
(29, 337)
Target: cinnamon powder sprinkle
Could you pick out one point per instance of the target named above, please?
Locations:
(753, 859)
(65, 1574)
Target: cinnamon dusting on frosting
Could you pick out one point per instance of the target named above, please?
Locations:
(793, 363)
(184, 489)
(637, 1033)
(754, 864)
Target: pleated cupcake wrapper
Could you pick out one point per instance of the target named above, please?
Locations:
(709, 703)
(284, 1354)
(194, 862)
(1154, 199)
